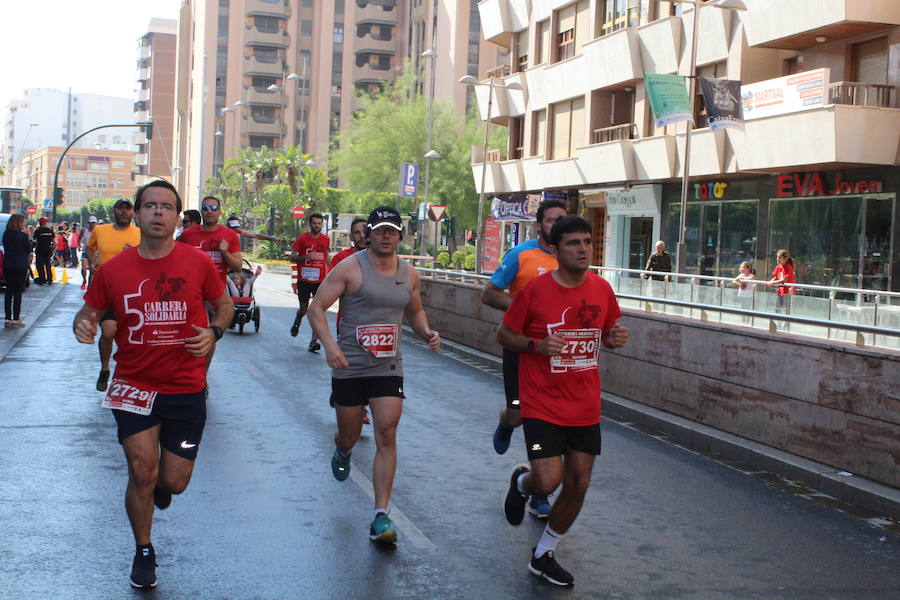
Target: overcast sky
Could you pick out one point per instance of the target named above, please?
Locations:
(88, 45)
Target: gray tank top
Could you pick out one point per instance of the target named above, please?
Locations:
(380, 300)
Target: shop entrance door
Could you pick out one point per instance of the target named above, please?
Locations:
(640, 241)
(876, 251)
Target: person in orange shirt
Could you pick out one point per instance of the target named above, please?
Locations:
(108, 241)
(520, 265)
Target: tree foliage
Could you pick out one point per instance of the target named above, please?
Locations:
(391, 128)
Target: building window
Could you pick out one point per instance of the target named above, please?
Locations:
(567, 131)
(261, 84)
(118, 164)
(339, 34)
(266, 24)
(265, 55)
(263, 114)
(306, 27)
(543, 45)
(539, 133)
(565, 45)
(612, 15)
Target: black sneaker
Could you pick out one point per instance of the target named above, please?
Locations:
(102, 381)
(514, 505)
(295, 329)
(314, 346)
(143, 569)
(546, 566)
(162, 498)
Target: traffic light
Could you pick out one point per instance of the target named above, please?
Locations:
(413, 222)
(149, 129)
(57, 196)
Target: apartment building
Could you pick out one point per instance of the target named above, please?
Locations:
(86, 173)
(48, 117)
(818, 176)
(155, 100)
(253, 73)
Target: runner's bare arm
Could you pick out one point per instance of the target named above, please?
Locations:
(495, 297)
(84, 326)
(334, 285)
(295, 257)
(415, 315)
(234, 260)
(518, 342)
(203, 342)
(615, 337)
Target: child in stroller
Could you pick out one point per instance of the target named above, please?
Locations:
(240, 288)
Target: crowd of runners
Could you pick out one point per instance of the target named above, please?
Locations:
(158, 292)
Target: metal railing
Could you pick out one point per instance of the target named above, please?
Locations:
(860, 94)
(496, 155)
(863, 317)
(614, 133)
(500, 71)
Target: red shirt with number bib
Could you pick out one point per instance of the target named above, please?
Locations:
(314, 268)
(563, 390)
(209, 241)
(155, 303)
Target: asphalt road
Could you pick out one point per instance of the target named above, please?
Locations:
(263, 517)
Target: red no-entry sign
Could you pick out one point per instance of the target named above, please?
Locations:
(298, 212)
(31, 209)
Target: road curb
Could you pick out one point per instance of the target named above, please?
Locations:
(846, 487)
(8, 344)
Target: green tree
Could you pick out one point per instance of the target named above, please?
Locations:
(390, 128)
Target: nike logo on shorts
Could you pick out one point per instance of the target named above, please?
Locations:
(187, 446)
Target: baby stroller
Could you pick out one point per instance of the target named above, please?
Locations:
(240, 288)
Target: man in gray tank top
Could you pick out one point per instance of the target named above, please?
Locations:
(376, 289)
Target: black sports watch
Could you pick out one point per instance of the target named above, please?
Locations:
(217, 331)
(532, 345)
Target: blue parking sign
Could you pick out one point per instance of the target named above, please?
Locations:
(409, 180)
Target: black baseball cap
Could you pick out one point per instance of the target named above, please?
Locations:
(123, 202)
(385, 215)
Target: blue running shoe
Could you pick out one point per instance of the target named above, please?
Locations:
(382, 530)
(539, 506)
(340, 465)
(502, 437)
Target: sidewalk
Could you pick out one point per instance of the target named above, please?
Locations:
(35, 300)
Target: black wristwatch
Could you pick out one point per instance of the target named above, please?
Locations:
(532, 344)
(217, 331)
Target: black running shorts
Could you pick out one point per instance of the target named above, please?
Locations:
(306, 290)
(545, 440)
(108, 315)
(181, 418)
(356, 391)
(511, 378)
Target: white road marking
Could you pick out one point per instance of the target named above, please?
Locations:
(251, 367)
(412, 533)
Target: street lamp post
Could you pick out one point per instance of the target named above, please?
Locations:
(431, 153)
(692, 82)
(513, 85)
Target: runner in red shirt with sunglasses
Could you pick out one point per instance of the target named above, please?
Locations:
(557, 322)
(157, 292)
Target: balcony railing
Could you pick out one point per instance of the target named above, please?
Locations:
(499, 71)
(496, 155)
(860, 94)
(614, 133)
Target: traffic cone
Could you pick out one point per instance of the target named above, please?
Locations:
(34, 272)
(65, 275)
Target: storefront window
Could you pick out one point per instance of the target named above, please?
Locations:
(720, 235)
(840, 241)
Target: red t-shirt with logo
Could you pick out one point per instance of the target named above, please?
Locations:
(786, 271)
(564, 395)
(155, 303)
(208, 241)
(313, 269)
(337, 258)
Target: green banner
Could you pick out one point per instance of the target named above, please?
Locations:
(668, 98)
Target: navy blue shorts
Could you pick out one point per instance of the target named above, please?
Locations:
(181, 418)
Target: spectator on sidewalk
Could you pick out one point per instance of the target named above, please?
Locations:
(16, 258)
(45, 245)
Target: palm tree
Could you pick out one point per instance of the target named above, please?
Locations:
(290, 163)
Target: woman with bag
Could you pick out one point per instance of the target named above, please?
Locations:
(16, 258)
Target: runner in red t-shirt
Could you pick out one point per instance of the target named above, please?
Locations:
(157, 292)
(558, 322)
(310, 254)
(221, 244)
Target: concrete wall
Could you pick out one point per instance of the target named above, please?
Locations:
(832, 403)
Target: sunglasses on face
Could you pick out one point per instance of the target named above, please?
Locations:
(209, 207)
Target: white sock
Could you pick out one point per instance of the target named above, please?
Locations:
(378, 511)
(520, 484)
(549, 540)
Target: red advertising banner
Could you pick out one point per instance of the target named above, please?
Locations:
(493, 231)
